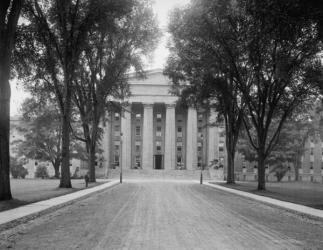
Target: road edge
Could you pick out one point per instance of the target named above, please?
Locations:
(296, 208)
(13, 217)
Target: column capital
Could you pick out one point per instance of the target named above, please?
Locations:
(148, 105)
(192, 108)
(170, 105)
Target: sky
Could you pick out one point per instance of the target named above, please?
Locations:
(161, 9)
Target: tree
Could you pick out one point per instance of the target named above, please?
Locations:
(110, 52)
(17, 170)
(57, 33)
(290, 147)
(203, 35)
(42, 132)
(9, 15)
(41, 172)
(281, 55)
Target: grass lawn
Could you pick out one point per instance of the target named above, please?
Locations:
(304, 193)
(25, 191)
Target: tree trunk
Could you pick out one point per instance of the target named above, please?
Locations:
(65, 181)
(56, 166)
(297, 165)
(230, 157)
(5, 192)
(261, 171)
(231, 142)
(92, 163)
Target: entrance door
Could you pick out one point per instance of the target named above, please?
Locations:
(158, 162)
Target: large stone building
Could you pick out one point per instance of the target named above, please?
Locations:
(153, 132)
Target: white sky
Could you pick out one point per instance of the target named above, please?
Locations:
(161, 8)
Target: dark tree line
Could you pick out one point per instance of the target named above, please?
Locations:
(9, 15)
(257, 61)
(77, 53)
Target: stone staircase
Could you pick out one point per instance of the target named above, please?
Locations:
(158, 174)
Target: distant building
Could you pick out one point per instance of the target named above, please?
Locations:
(32, 164)
(154, 132)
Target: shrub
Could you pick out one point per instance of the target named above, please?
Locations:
(280, 171)
(18, 171)
(41, 172)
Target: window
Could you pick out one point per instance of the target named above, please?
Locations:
(158, 132)
(138, 144)
(199, 146)
(221, 149)
(36, 163)
(199, 129)
(116, 160)
(179, 120)
(312, 151)
(199, 161)
(159, 117)
(138, 161)
(116, 130)
(311, 165)
(116, 116)
(179, 131)
(179, 146)
(117, 146)
(138, 117)
(158, 145)
(138, 131)
(179, 162)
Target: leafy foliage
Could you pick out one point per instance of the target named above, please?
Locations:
(53, 39)
(199, 67)
(111, 51)
(291, 144)
(41, 172)
(16, 169)
(9, 15)
(42, 132)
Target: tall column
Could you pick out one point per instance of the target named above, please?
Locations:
(126, 138)
(170, 137)
(191, 139)
(213, 138)
(106, 142)
(148, 147)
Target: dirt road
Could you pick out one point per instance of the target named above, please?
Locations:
(166, 215)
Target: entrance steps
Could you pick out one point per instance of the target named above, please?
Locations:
(158, 174)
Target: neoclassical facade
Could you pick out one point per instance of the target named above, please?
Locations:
(153, 132)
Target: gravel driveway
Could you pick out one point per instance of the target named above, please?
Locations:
(166, 215)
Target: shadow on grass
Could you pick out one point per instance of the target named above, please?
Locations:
(14, 203)
(22, 197)
(284, 192)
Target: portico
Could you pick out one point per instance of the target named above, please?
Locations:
(156, 132)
